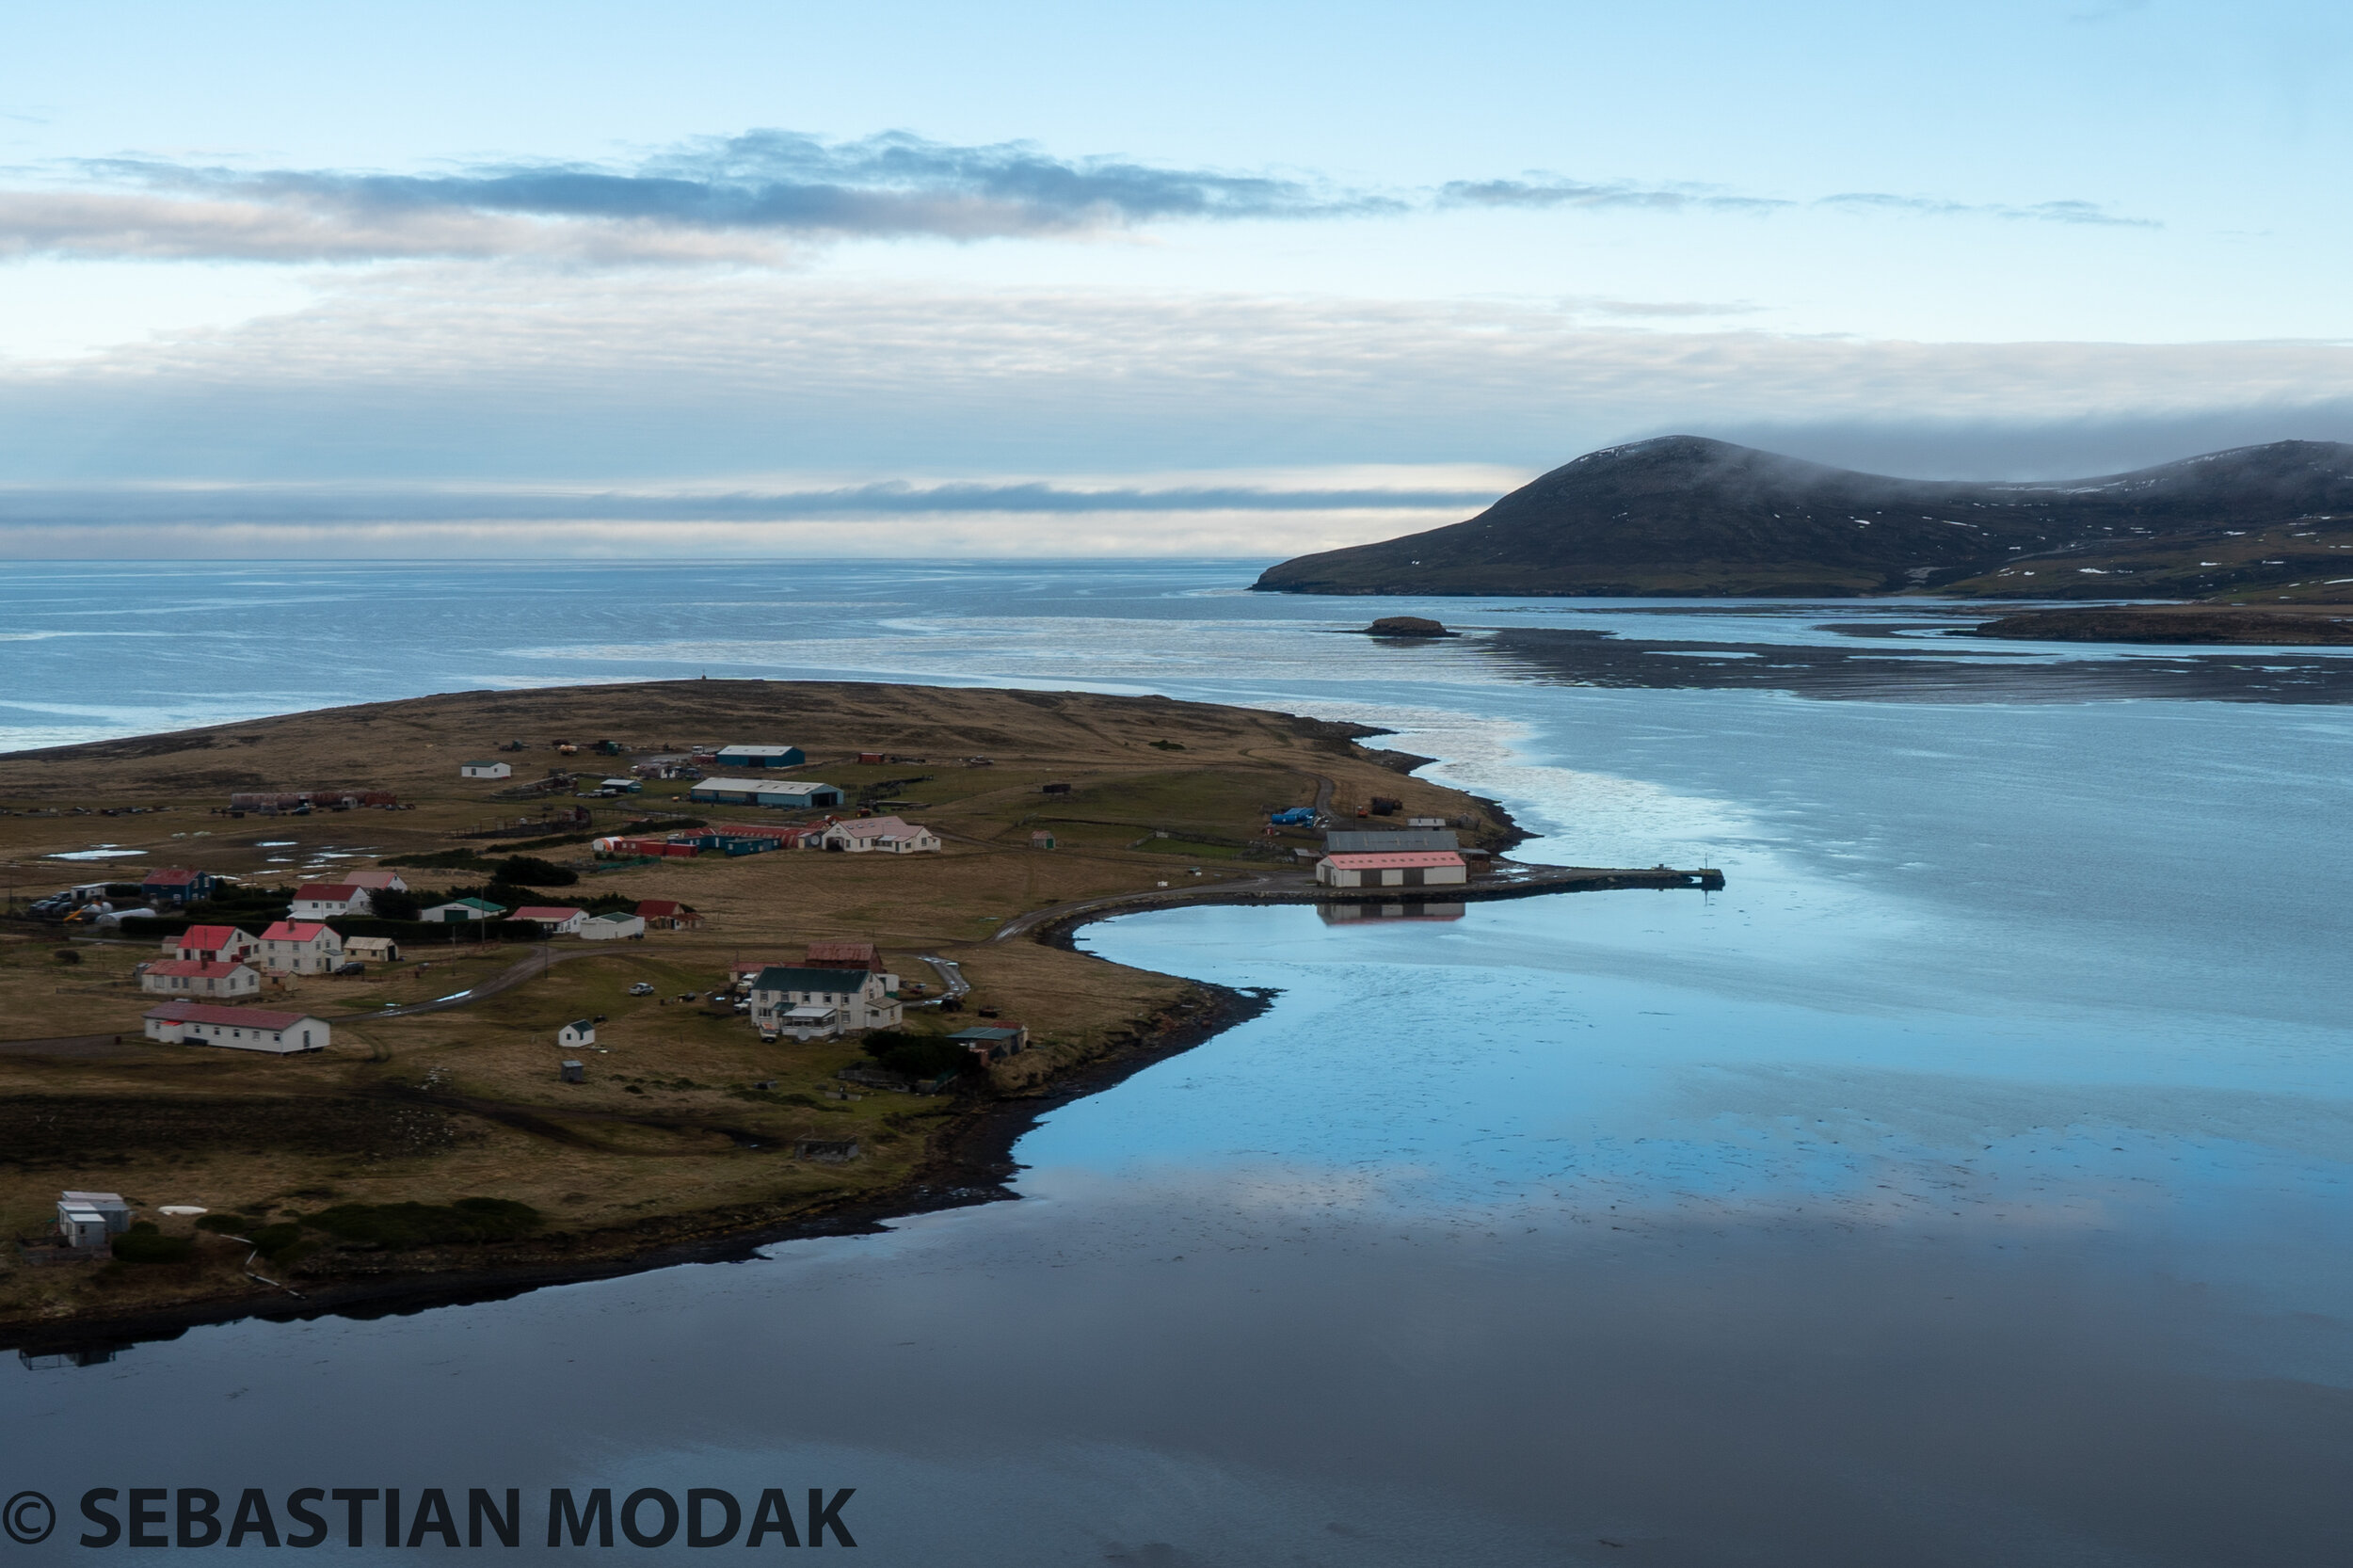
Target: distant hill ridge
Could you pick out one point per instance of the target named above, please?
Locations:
(1684, 515)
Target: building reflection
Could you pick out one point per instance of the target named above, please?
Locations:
(1348, 914)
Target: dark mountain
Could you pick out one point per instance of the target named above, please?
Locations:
(1683, 515)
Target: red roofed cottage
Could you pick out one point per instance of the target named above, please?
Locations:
(1394, 869)
(301, 947)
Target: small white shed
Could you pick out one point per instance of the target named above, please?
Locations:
(611, 928)
(579, 1032)
(87, 1220)
(486, 770)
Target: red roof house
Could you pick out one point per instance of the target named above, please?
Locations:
(301, 947)
(322, 899)
(197, 977)
(224, 943)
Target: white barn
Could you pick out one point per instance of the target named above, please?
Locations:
(262, 1029)
(611, 928)
(1396, 869)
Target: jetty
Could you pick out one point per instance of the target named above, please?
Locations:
(1506, 879)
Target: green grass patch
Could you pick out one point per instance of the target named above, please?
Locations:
(1191, 851)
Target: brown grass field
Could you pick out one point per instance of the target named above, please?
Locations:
(667, 1139)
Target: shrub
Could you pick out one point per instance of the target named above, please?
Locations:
(390, 903)
(916, 1055)
(660, 824)
(144, 1243)
(65, 955)
(529, 872)
(275, 1241)
(441, 860)
(394, 1225)
(271, 1240)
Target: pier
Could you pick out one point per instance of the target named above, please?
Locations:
(1507, 879)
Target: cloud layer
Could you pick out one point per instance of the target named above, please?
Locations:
(743, 199)
(451, 394)
(1550, 191)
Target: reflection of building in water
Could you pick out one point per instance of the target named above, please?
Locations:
(74, 1355)
(1341, 914)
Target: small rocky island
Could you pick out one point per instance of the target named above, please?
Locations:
(1407, 626)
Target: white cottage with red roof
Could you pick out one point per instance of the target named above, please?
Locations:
(881, 835)
(212, 944)
(199, 1023)
(301, 947)
(553, 919)
(374, 881)
(1393, 869)
(327, 901)
(194, 977)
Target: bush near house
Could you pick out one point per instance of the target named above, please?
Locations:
(144, 1243)
(525, 871)
(390, 903)
(918, 1056)
(395, 1226)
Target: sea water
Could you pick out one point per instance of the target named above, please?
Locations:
(1966, 1183)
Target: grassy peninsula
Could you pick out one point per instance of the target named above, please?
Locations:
(687, 1127)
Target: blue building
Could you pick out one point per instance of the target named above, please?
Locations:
(761, 757)
(798, 795)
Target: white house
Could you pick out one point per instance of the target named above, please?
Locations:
(579, 1032)
(465, 909)
(806, 1003)
(327, 901)
(199, 1023)
(611, 928)
(194, 977)
(376, 881)
(552, 920)
(1429, 867)
(212, 944)
(301, 947)
(485, 770)
(882, 835)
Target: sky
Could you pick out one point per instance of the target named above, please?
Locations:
(973, 280)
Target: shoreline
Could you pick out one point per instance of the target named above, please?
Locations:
(969, 1163)
(967, 1156)
(967, 1166)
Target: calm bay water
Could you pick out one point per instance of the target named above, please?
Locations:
(1966, 1183)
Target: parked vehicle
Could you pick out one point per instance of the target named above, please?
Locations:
(643, 988)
